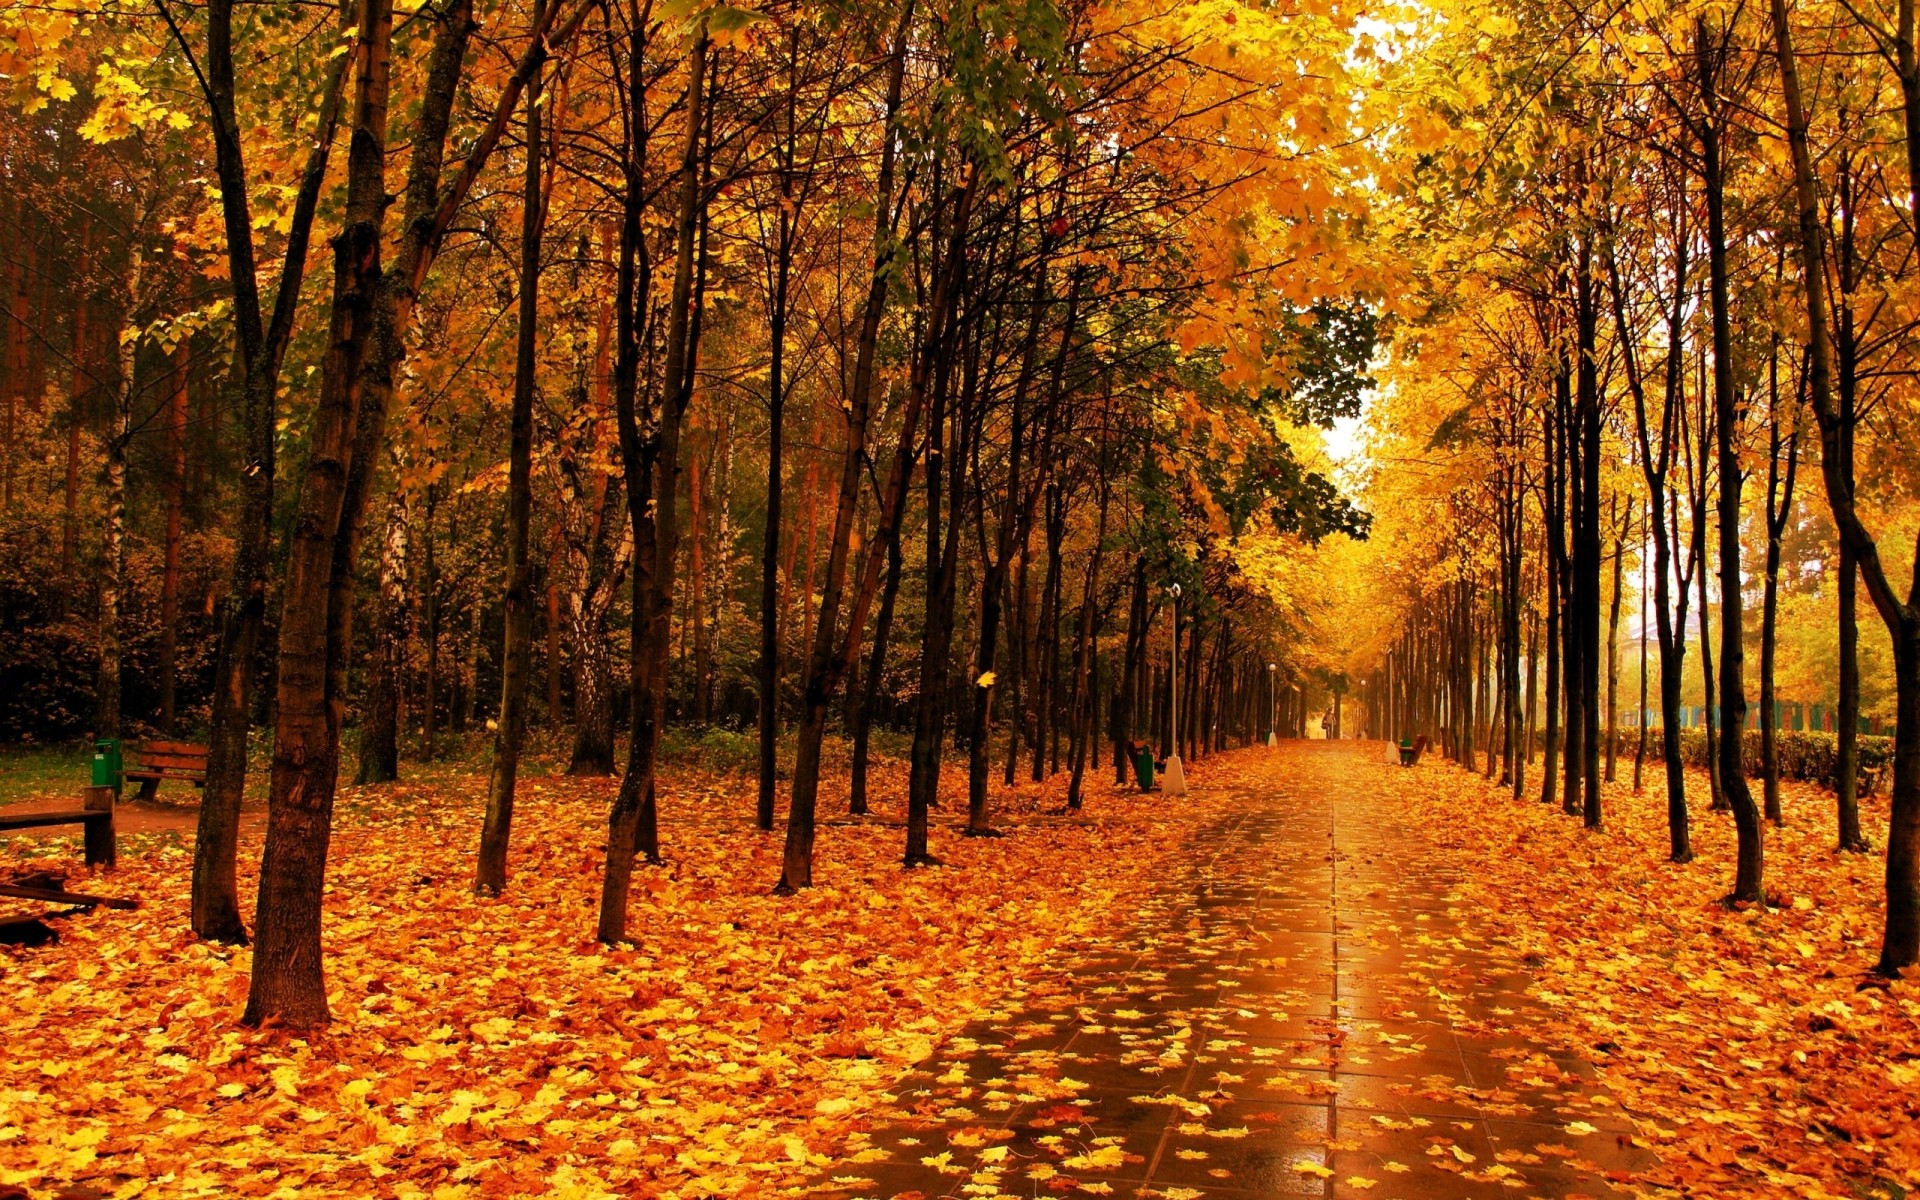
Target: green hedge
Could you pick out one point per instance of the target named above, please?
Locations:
(1806, 755)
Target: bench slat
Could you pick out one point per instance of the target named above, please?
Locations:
(36, 820)
(153, 759)
(175, 748)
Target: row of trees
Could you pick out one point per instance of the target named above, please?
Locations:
(1674, 274)
(889, 359)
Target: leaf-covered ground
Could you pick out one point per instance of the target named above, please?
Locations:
(1763, 1057)
(491, 1048)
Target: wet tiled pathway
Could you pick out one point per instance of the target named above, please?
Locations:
(1303, 1010)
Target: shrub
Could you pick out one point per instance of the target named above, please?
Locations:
(1808, 755)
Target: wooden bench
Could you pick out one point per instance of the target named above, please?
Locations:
(156, 761)
(95, 816)
(1410, 752)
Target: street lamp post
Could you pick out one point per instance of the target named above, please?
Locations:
(1175, 781)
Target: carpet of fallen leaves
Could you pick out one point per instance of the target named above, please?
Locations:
(490, 1048)
(1762, 1056)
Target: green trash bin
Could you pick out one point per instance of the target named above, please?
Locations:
(106, 764)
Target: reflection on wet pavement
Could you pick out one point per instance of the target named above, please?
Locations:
(1301, 1010)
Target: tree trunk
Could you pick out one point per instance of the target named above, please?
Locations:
(288, 982)
(113, 558)
(1083, 647)
(653, 495)
(1749, 876)
(1780, 481)
(1707, 698)
(365, 347)
(1587, 545)
(380, 724)
(1047, 657)
(875, 680)
(1128, 699)
(593, 743)
(516, 654)
(1900, 947)
(1613, 655)
(923, 782)
(1553, 501)
(176, 489)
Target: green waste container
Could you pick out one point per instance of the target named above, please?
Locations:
(106, 763)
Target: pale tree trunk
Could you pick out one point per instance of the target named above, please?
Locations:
(597, 575)
(382, 718)
(1613, 652)
(78, 390)
(113, 558)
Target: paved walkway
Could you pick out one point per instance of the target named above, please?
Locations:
(1299, 1012)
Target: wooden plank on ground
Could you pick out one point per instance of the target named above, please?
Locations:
(62, 896)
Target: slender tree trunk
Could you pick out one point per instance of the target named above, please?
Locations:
(1640, 751)
(1554, 503)
(876, 678)
(1016, 515)
(1587, 544)
(1128, 700)
(79, 390)
(1083, 651)
(1780, 481)
(430, 604)
(653, 496)
(1852, 839)
(768, 668)
(516, 655)
(827, 664)
(923, 782)
(113, 565)
(176, 490)
(1749, 882)
(1900, 947)
(1533, 700)
(1047, 655)
(113, 557)
(1707, 698)
(1613, 656)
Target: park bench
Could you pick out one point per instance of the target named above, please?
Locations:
(1410, 752)
(157, 761)
(95, 816)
